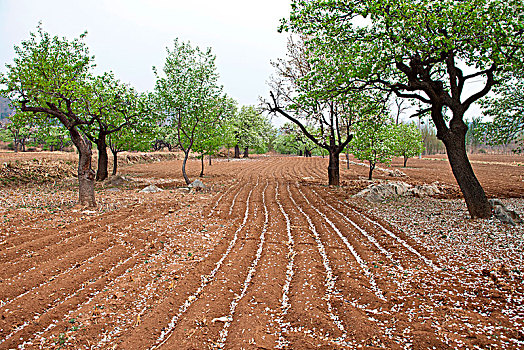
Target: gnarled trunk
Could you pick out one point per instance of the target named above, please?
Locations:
(184, 174)
(474, 195)
(334, 168)
(115, 161)
(246, 152)
(371, 168)
(86, 175)
(101, 172)
(202, 161)
(454, 139)
(237, 152)
(405, 161)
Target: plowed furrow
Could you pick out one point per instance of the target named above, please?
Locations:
(422, 283)
(27, 238)
(131, 291)
(220, 298)
(169, 311)
(81, 238)
(393, 241)
(312, 286)
(34, 280)
(52, 301)
(261, 302)
(339, 242)
(355, 228)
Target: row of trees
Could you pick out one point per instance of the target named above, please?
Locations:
(351, 56)
(56, 93)
(374, 141)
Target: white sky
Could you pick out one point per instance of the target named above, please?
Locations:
(130, 36)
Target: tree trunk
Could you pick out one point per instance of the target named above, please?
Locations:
(237, 152)
(115, 161)
(454, 139)
(86, 175)
(184, 174)
(347, 160)
(371, 168)
(405, 161)
(101, 172)
(210, 159)
(474, 195)
(246, 152)
(202, 161)
(333, 169)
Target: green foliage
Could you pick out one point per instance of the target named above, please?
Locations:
(303, 86)
(50, 74)
(188, 93)
(507, 112)
(374, 141)
(113, 106)
(189, 97)
(408, 141)
(413, 48)
(251, 129)
(211, 136)
(291, 140)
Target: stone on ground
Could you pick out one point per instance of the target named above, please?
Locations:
(504, 214)
(197, 185)
(151, 189)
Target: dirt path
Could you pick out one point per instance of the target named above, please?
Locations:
(271, 261)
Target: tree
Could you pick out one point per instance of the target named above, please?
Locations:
(374, 141)
(292, 140)
(50, 76)
(21, 127)
(52, 134)
(134, 137)
(113, 106)
(506, 109)
(250, 130)
(188, 94)
(426, 50)
(303, 98)
(210, 137)
(407, 141)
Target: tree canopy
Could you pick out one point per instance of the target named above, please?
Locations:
(188, 94)
(425, 50)
(50, 76)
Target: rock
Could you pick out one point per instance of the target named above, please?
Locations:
(379, 192)
(116, 180)
(425, 190)
(197, 185)
(502, 213)
(151, 189)
(394, 173)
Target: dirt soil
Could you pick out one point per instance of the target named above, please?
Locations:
(267, 257)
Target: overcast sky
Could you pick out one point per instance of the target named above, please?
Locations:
(130, 36)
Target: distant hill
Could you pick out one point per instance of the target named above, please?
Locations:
(5, 110)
